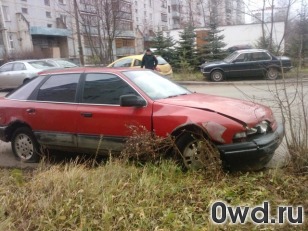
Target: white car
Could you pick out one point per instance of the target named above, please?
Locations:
(60, 63)
(13, 74)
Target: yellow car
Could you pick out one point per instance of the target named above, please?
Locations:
(134, 61)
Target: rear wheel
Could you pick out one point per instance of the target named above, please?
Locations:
(217, 76)
(272, 73)
(24, 145)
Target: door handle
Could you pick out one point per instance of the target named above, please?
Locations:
(30, 110)
(86, 114)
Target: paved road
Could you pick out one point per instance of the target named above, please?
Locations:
(261, 92)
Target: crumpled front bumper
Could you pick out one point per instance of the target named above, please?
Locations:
(252, 155)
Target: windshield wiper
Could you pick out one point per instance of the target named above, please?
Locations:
(172, 96)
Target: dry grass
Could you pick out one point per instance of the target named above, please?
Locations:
(120, 196)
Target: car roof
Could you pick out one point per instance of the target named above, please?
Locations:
(78, 70)
(251, 50)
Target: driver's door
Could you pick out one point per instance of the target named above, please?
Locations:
(241, 66)
(102, 121)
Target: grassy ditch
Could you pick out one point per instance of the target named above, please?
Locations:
(122, 196)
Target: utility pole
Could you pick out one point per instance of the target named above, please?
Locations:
(81, 56)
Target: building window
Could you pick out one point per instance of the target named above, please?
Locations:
(150, 2)
(62, 2)
(11, 41)
(48, 14)
(24, 10)
(23, 0)
(6, 13)
(47, 2)
(164, 17)
(63, 18)
(168, 9)
(137, 19)
(49, 25)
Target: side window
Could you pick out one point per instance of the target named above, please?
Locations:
(105, 89)
(59, 88)
(19, 67)
(6, 67)
(240, 58)
(260, 56)
(137, 63)
(123, 63)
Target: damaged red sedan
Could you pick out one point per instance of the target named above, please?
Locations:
(72, 109)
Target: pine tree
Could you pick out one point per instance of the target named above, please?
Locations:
(213, 49)
(163, 45)
(185, 58)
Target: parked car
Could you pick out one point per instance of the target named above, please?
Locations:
(72, 109)
(14, 74)
(134, 61)
(247, 63)
(239, 47)
(60, 63)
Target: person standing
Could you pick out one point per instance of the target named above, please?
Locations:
(149, 61)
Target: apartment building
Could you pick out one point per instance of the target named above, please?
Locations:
(112, 28)
(40, 25)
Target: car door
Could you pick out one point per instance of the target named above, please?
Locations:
(102, 121)
(5, 73)
(53, 111)
(240, 66)
(260, 61)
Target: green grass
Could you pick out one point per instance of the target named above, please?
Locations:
(122, 196)
(193, 76)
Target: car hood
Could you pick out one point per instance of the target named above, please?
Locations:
(244, 112)
(209, 64)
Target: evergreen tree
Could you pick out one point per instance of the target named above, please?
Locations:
(185, 54)
(213, 49)
(163, 46)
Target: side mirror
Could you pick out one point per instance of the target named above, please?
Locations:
(132, 101)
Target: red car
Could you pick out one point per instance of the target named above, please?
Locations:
(71, 109)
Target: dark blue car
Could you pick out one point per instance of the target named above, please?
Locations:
(247, 63)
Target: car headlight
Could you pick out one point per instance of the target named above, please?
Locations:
(260, 128)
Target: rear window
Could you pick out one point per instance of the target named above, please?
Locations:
(24, 91)
(40, 64)
(161, 61)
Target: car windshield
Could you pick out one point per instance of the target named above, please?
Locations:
(154, 85)
(161, 61)
(231, 57)
(40, 64)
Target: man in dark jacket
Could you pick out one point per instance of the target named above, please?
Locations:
(149, 61)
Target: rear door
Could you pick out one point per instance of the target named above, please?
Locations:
(102, 122)
(260, 61)
(53, 111)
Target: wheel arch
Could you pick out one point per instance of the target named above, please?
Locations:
(13, 126)
(193, 128)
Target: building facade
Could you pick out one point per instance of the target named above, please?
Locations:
(109, 28)
(42, 26)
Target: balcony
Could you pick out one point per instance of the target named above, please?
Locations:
(38, 30)
(175, 14)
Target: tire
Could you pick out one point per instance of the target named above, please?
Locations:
(26, 81)
(193, 154)
(272, 73)
(24, 145)
(217, 76)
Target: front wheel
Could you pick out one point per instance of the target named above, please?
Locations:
(272, 73)
(217, 76)
(196, 151)
(24, 145)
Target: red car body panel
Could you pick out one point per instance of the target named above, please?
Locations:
(83, 126)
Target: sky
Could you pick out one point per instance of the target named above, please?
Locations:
(258, 4)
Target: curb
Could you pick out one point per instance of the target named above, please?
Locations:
(238, 82)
